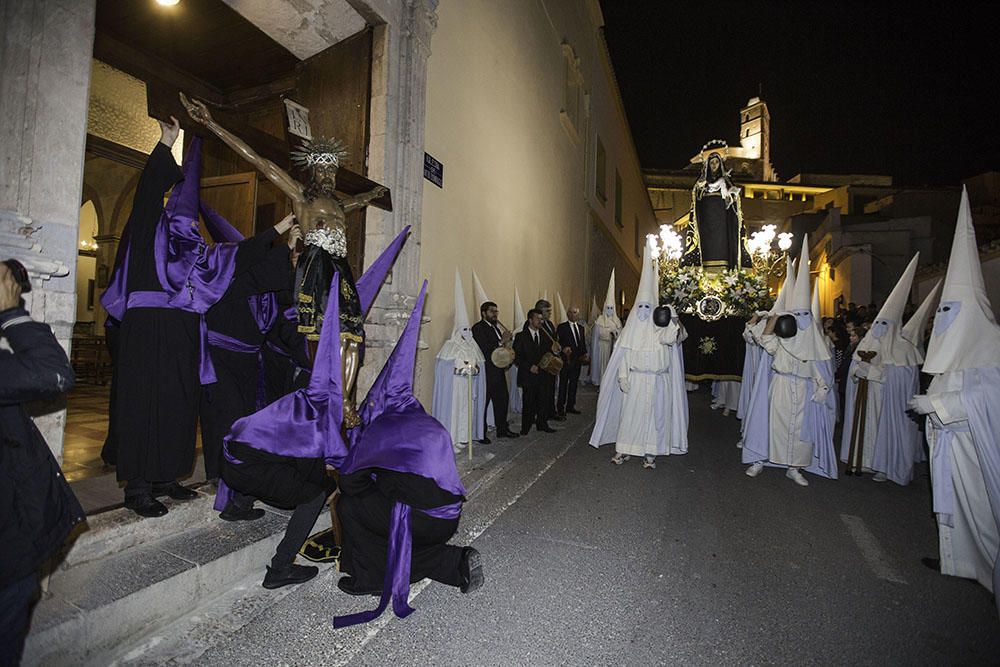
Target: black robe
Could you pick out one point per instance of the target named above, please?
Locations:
(157, 384)
(234, 394)
(365, 510)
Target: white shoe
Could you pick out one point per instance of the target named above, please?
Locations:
(458, 447)
(755, 469)
(879, 477)
(739, 445)
(620, 458)
(794, 475)
(727, 412)
(649, 462)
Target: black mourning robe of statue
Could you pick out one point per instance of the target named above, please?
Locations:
(715, 237)
(314, 272)
(157, 384)
(365, 510)
(719, 232)
(238, 373)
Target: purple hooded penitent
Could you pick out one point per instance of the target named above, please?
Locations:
(192, 273)
(397, 434)
(305, 423)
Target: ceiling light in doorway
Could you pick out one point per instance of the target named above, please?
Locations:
(167, 3)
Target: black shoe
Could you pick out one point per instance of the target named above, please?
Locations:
(932, 563)
(508, 434)
(350, 586)
(484, 441)
(470, 570)
(290, 574)
(174, 490)
(546, 429)
(525, 431)
(146, 506)
(573, 411)
(234, 513)
(560, 418)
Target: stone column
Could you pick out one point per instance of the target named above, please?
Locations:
(401, 46)
(44, 80)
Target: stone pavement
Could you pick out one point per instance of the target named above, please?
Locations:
(590, 563)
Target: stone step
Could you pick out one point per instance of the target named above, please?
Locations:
(115, 530)
(103, 601)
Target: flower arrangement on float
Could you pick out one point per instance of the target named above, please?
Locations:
(711, 296)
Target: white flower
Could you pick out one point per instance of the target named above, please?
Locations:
(331, 240)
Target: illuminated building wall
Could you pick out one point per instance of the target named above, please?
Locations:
(542, 185)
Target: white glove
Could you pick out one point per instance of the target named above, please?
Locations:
(819, 396)
(624, 384)
(861, 370)
(921, 404)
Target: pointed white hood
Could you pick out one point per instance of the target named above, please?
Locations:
(885, 337)
(461, 345)
(609, 315)
(518, 315)
(640, 333)
(595, 312)
(781, 301)
(481, 297)
(560, 314)
(913, 330)
(808, 343)
(965, 333)
(814, 305)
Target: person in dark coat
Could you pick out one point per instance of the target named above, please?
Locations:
(37, 507)
(488, 337)
(574, 349)
(529, 347)
(551, 339)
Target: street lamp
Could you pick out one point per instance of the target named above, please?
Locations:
(765, 259)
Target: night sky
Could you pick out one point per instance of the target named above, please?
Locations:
(851, 87)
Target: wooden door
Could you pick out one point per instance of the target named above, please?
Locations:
(235, 198)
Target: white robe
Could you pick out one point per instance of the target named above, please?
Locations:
(969, 539)
(456, 393)
(601, 346)
(726, 394)
(638, 431)
(792, 385)
(873, 412)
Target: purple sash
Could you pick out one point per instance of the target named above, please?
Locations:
(206, 371)
(396, 585)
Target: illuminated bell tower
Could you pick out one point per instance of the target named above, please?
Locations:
(755, 134)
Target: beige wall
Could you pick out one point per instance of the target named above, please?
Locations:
(518, 197)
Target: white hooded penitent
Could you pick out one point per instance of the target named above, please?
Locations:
(965, 332)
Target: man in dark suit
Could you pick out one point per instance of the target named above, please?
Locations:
(574, 346)
(529, 347)
(548, 330)
(487, 334)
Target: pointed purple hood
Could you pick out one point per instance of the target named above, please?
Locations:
(305, 423)
(192, 273)
(371, 280)
(396, 433)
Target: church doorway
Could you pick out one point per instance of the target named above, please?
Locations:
(144, 55)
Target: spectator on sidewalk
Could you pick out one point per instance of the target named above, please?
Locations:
(36, 503)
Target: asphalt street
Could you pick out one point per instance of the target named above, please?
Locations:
(691, 563)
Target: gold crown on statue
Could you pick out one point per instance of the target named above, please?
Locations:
(321, 151)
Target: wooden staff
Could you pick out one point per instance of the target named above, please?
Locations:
(856, 453)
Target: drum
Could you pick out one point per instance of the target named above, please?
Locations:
(550, 363)
(502, 357)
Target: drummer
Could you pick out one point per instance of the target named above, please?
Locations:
(489, 336)
(529, 347)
